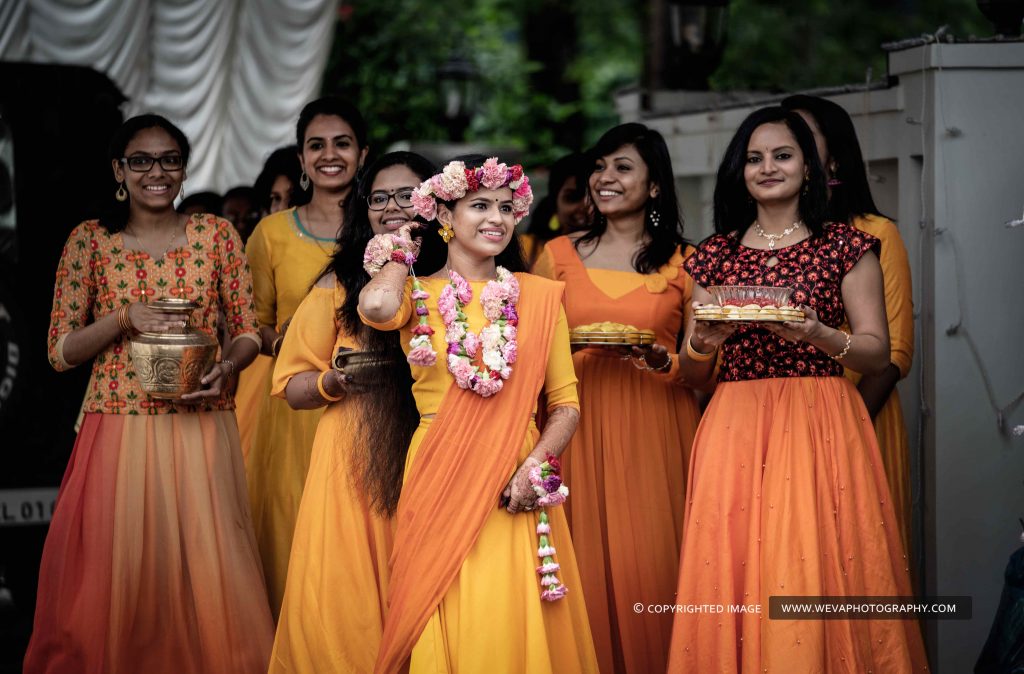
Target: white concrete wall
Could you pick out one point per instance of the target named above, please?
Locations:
(948, 191)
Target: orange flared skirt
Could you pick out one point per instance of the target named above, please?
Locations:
(150, 564)
(626, 470)
(788, 496)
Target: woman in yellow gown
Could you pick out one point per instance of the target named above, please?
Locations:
(287, 251)
(850, 201)
(277, 188)
(464, 594)
(334, 601)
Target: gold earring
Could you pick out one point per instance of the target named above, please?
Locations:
(446, 232)
(121, 194)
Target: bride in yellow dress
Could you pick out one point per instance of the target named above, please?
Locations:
(464, 592)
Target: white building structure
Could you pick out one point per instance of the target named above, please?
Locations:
(944, 144)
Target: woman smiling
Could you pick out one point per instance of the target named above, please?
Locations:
(483, 340)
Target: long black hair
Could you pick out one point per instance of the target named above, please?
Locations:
(735, 209)
(434, 251)
(386, 414)
(570, 166)
(284, 161)
(668, 235)
(114, 217)
(852, 197)
(331, 106)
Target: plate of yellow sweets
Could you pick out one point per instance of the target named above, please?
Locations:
(608, 333)
(749, 304)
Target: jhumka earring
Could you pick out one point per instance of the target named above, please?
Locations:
(304, 181)
(446, 232)
(121, 194)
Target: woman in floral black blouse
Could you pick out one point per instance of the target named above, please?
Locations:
(787, 490)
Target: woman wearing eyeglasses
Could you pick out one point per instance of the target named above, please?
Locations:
(150, 564)
(343, 531)
(287, 251)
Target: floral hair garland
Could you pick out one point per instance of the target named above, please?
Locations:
(547, 484)
(455, 181)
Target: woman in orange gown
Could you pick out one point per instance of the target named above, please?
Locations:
(464, 593)
(636, 425)
(334, 604)
(150, 564)
(850, 201)
(787, 491)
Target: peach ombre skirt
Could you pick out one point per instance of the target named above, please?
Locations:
(150, 564)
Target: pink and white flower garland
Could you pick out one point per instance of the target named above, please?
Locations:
(497, 340)
(455, 181)
(547, 484)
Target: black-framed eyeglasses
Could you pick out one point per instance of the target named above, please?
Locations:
(141, 163)
(378, 201)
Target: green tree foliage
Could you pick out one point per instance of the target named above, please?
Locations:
(386, 54)
(787, 45)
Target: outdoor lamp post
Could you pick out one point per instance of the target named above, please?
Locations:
(459, 80)
(686, 39)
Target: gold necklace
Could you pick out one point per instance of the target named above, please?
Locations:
(138, 242)
(772, 238)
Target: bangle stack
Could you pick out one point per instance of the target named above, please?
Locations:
(846, 349)
(696, 355)
(230, 364)
(323, 391)
(123, 322)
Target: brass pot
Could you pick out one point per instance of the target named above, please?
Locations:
(170, 364)
(364, 368)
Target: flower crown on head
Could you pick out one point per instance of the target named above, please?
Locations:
(455, 181)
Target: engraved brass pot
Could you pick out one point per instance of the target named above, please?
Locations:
(171, 364)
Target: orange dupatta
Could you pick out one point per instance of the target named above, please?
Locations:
(462, 466)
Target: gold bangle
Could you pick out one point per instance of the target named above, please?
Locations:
(696, 355)
(323, 392)
(846, 349)
(123, 322)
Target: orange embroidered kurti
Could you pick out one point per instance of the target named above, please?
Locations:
(98, 274)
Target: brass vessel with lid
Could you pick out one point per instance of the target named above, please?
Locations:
(171, 364)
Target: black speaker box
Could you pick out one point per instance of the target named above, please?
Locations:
(55, 122)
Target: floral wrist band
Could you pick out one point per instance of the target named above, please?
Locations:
(385, 248)
(456, 180)
(546, 480)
